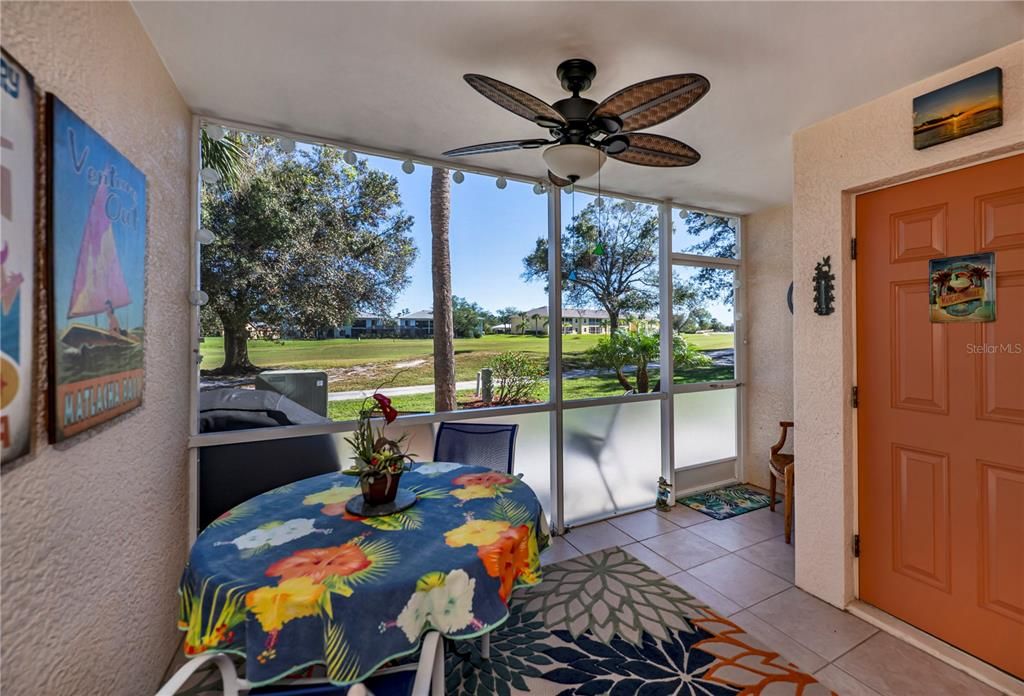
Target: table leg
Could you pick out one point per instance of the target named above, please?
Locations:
(485, 647)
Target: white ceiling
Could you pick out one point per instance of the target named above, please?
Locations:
(388, 75)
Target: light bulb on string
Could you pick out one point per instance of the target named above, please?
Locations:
(287, 145)
(209, 175)
(205, 236)
(538, 188)
(214, 132)
(350, 157)
(630, 206)
(458, 177)
(408, 167)
(501, 182)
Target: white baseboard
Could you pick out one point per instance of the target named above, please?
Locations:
(954, 657)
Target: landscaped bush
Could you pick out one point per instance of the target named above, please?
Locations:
(516, 377)
(635, 349)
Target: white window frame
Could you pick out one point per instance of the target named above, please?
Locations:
(555, 406)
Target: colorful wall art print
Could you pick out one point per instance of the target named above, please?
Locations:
(963, 288)
(97, 268)
(969, 106)
(18, 110)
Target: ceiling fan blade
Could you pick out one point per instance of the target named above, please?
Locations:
(653, 101)
(501, 146)
(557, 180)
(649, 150)
(516, 100)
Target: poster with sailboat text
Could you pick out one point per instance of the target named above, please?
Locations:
(97, 222)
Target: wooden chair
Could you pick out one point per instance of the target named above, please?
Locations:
(781, 466)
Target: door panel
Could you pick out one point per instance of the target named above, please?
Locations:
(941, 416)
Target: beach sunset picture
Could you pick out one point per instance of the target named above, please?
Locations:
(969, 106)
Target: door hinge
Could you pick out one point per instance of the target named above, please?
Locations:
(854, 397)
(856, 545)
(853, 248)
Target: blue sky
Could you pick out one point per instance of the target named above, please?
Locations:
(491, 230)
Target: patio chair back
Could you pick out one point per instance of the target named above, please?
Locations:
(477, 444)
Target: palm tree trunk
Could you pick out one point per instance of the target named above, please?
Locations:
(441, 269)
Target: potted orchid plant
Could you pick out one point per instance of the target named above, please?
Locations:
(379, 460)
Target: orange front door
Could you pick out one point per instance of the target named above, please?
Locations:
(941, 416)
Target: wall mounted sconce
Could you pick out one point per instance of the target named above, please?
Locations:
(824, 287)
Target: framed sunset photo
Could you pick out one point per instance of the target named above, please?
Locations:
(963, 108)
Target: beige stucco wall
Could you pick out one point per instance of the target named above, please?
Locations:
(93, 531)
(768, 257)
(861, 149)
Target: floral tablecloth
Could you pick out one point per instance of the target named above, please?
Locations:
(289, 579)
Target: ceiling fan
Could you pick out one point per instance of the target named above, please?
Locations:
(585, 132)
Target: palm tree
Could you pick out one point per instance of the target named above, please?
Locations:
(441, 270)
(522, 323)
(536, 321)
(226, 156)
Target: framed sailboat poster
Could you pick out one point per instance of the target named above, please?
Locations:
(97, 226)
(17, 258)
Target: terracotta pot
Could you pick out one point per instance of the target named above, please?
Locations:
(381, 490)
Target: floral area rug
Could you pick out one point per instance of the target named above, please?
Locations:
(723, 503)
(605, 623)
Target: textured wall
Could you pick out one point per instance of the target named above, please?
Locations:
(94, 531)
(768, 254)
(861, 149)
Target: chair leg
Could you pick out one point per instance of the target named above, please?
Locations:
(789, 503)
(771, 489)
(485, 647)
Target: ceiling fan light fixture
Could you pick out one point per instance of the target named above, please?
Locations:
(574, 162)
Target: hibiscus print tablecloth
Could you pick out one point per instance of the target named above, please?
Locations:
(290, 579)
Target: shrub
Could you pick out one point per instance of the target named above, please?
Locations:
(636, 349)
(516, 377)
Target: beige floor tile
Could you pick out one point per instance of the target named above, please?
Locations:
(842, 683)
(772, 523)
(682, 515)
(705, 593)
(812, 622)
(739, 580)
(774, 555)
(730, 534)
(596, 536)
(684, 548)
(801, 656)
(559, 550)
(894, 668)
(658, 564)
(644, 525)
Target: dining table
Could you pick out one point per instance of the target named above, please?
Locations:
(290, 579)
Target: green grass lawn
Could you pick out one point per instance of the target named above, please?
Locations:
(364, 364)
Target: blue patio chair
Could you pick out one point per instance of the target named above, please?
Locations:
(477, 444)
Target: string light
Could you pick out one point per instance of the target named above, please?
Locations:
(538, 188)
(630, 206)
(198, 298)
(408, 167)
(214, 132)
(209, 175)
(501, 182)
(349, 157)
(205, 236)
(458, 177)
(287, 145)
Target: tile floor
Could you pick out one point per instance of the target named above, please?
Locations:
(742, 568)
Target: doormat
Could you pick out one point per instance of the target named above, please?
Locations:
(723, 503)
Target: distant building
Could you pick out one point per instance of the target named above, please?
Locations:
(362, 326)
(576, 321)
(417, 324)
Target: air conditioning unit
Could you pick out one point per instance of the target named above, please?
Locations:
(307, 388)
